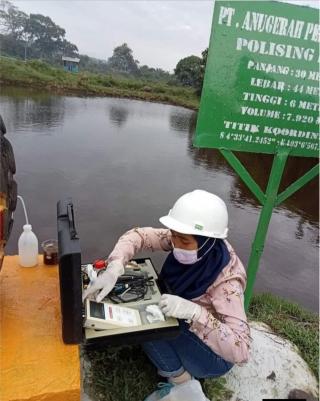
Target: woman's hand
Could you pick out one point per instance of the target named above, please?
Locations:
(172, 305)
(105, 281)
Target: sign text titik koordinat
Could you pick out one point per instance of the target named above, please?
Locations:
(261, 86)
(261, 95)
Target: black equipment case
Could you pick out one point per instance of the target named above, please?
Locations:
(72, 311)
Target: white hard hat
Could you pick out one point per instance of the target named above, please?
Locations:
(198, 213)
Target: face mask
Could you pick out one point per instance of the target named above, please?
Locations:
(188, 257)
(185, 256)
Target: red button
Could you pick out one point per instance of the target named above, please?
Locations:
(99, 264)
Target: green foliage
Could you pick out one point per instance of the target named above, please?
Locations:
(32, 36)
(154, 74)
(215, 389)
(290, 321)
(204, 55)
(203, 64)
(10, 46)
(119, 374)
(188, 71)
(37, 36)
(36, 73)
(92, 64)
(122, 61)
(12, 20)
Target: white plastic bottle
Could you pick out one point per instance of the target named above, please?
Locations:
(28, 247)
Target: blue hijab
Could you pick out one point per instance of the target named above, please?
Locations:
(191, 281)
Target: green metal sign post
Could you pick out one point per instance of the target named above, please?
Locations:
(261, 94)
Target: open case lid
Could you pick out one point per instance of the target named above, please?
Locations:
(69, 273)
(71, 294)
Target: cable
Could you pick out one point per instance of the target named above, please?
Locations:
(24, 208)
(130, 288)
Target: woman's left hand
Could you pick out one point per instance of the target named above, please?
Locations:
(172, 305)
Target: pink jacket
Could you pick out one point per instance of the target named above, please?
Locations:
(223, 323)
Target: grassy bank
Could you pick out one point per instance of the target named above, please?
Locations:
(131, 376)
(292, 322)
(37, 74)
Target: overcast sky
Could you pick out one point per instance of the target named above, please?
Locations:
(160, 33)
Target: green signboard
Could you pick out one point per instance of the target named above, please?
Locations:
(261, 94)
(261, 85)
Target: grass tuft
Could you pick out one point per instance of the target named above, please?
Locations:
(119, 374)
(216, 390)
(290, 321)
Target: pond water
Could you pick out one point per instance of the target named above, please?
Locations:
(125, 162)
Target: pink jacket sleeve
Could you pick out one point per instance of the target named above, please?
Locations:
(223, 324)
(140, 239)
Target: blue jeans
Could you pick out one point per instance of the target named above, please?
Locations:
(185, 352)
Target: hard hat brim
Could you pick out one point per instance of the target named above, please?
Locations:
(179, 227)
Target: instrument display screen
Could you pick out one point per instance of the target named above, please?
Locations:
(97, 310)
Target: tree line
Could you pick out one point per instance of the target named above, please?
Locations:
(36, 36)
(32, 36)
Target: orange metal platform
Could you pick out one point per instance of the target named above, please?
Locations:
(35, 363)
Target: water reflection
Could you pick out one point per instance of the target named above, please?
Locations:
(40, 112)
(182, 120)
(118, 115)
